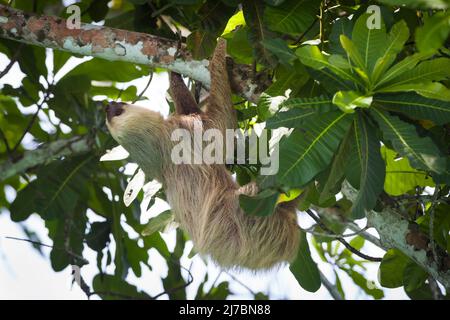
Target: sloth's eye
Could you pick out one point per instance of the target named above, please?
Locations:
(114, 109)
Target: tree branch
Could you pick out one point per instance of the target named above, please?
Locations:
(396, 232)
(119, 45)
(332, 289)
(45, 154)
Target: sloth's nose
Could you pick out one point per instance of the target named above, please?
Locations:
(114, 109)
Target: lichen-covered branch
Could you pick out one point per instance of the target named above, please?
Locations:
(397, 232)
(116, 44)
(46, 154)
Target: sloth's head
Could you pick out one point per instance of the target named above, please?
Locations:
(142, 132)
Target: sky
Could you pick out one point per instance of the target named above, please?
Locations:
(26, 274)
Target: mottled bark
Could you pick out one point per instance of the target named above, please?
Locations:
(46, 154)
(119, 45)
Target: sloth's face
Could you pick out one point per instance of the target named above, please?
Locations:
(140, 131)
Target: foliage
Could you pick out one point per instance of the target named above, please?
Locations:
(370, 106)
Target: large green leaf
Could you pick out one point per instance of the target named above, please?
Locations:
(432, 90)
(400, 176)
(113, 288)
(321, 103)
(104, 70)
(348, 101)
(432, 35)
(421, 151)
(426, 4)
(371, 43)
(311, 56)
(304, 268)
(431, 70)
(292, 118)
(369, 166)
(415, 106)
(309, 150)
(337, 169)
(400, 68)
(293, 16)
(396, 39)
(391, 269)
(56, 192)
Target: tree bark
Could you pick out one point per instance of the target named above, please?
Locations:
(46, 154)
(120, 45)
(397, 232)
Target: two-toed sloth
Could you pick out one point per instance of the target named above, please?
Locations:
(204, 197)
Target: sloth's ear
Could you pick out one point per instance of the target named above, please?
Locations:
(182, 97)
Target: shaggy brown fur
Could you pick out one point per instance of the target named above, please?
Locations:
(205, 198)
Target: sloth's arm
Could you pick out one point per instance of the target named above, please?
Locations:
(220, 107)
(182, 97)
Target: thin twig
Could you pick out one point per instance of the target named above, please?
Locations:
(184, 285)
(330, 287)
(145, 89)
(241, 283)
(69, 252)
(12, 61)
(300, 38)
(342, 240)
(336, 236)
(33, 119)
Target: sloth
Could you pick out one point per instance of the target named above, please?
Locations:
(204, 197)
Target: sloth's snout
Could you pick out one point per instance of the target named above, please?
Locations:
(114, 109)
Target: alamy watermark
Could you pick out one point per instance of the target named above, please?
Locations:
(213, 146)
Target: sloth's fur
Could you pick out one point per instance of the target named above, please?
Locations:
(205, 198)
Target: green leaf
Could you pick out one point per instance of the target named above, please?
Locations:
(342, 26)
(400, 68)
(312, 57)
(400, 176)
(432, 35)
(56, 192)
(421, 151)
(98, 236)
(353, 53)
(413, 277)
(432, 70)
(363, 283)
(432, 90)
(415, 106)
(348, 101)
(304, 268)
(308, 151)
(371, 43)
(113, 288)
(293, 16)
(370, 166)
(337, 169)
(426, 4)
(292, 118)
(321, 103)
(158, 223)
(104, 70)
(280, 49)
(263, 204)
(397, 37)
(288, 78)
(236, 20)
(391, 269)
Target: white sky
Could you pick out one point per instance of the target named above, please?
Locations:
(25, 274)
